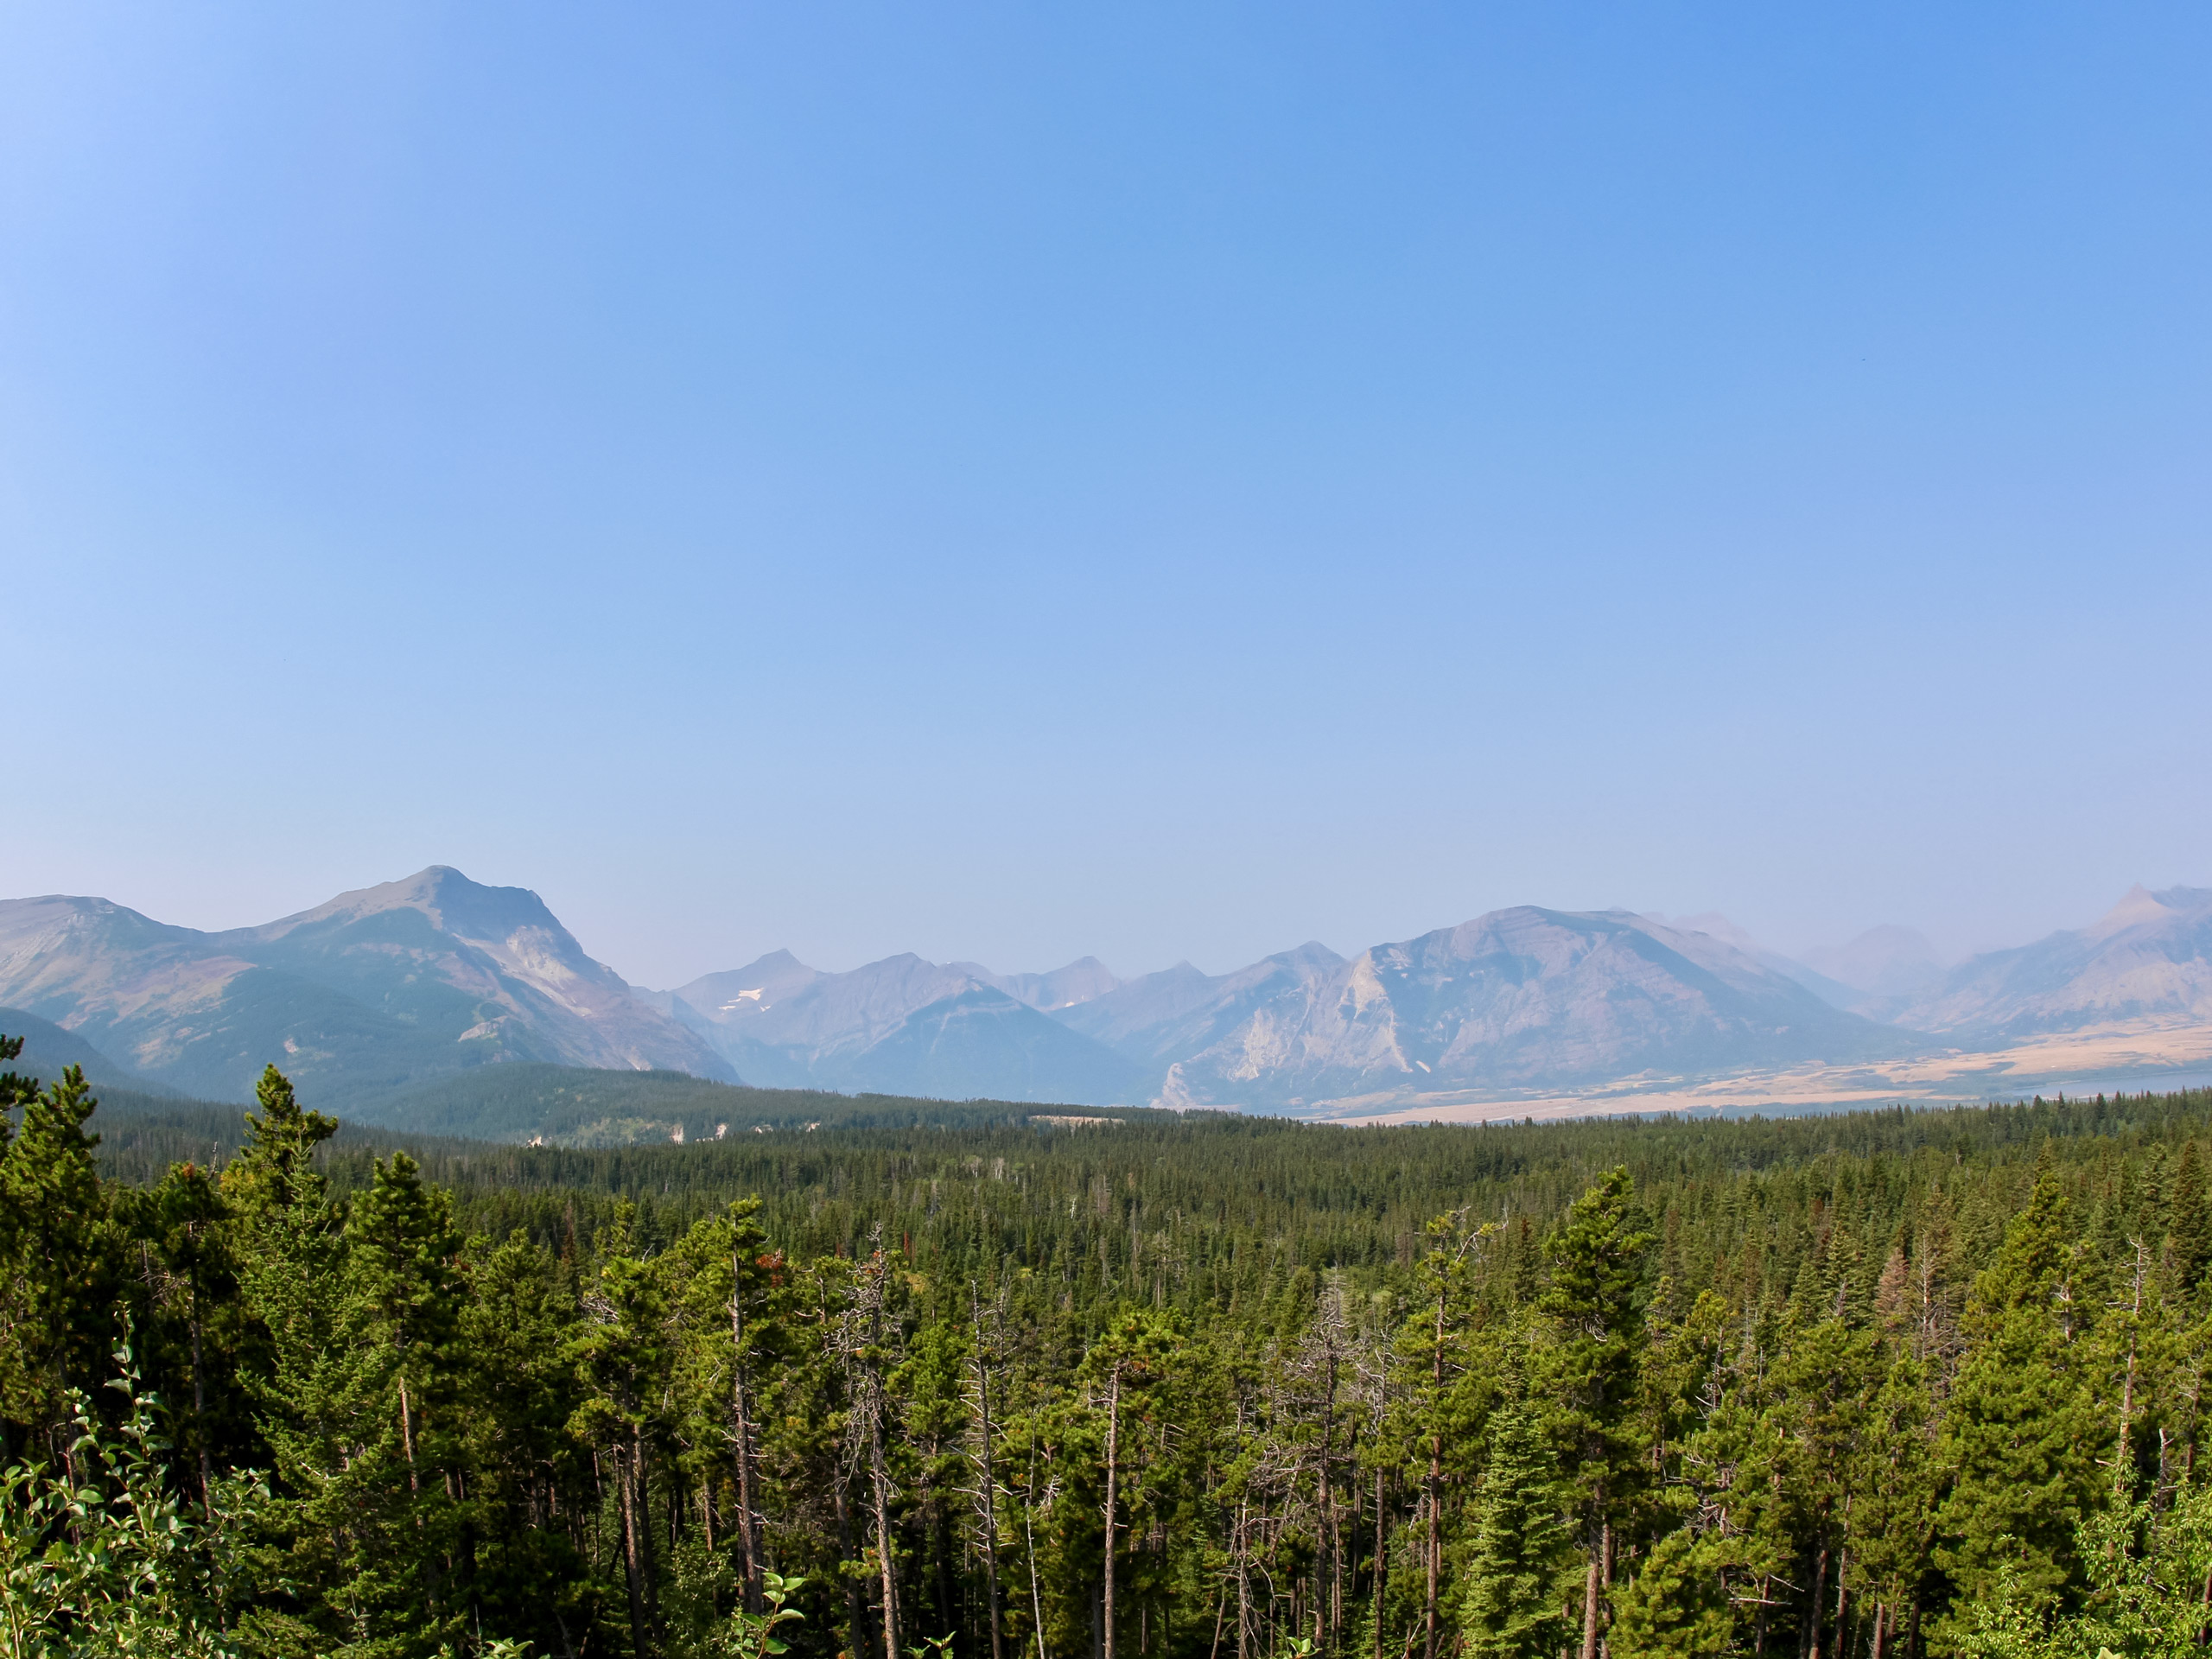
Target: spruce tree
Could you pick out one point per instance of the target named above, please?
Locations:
(407, 1571)
(59, 1277)
(187, 1229)
(1521, 1561)
(620, 1349)
(274, 1174)
(2022, 1434)
(1895, 1486)
(1677, 1606)
(516, 1393)
(2191, 1235)
(1590, 1370)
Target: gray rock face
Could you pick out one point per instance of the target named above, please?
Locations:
(2150, 955)
(376, 991)
(1518, 998)
(385, 990)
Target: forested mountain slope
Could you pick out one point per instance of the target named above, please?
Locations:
(1913, 1382)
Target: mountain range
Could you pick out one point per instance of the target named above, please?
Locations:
(377, 992)
(386, 991)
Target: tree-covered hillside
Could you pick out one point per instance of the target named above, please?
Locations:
(1092, 1386)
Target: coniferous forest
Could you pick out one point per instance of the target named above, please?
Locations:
(1031, 1386)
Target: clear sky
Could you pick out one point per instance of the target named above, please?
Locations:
(1163, 481)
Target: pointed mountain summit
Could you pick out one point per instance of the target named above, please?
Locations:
(2151, 954)
(1834, 992)
(376, 991)
(1884, 962)
(905, 1026)
(1515, 998)
(1064, 987)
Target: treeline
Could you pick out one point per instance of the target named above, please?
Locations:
(1889, 1384)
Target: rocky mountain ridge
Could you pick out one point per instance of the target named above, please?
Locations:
(2150, 956)
(393, 988)
(376, 991)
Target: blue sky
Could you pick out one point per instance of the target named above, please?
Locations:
(1012, 482)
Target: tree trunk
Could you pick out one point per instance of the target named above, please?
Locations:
(1113, 1491)
(1329, 1505)
(1842, 1584)
(1812, 1619)
(1029, 1538)
(1381, 1560)
(199, 1406)
(990, 1480)
(856, 1604)
(1434, 1549)
(880, 1475)
(407, 1439)
(632, 1555)
(748, 1542)
(1243, 1586)
(1436, 1483)
(645, 1524)
(2122, 1457)
(1589, 1604)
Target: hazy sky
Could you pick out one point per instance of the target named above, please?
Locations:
(1012, 482)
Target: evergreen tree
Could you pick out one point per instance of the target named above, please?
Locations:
(2190, 1239)
(649, 1406)
(185, 1226)
(408, 1570)
(1520, 1563)
(1677, 1604)
(1589, 1372)
(1894, 1493)
(620, 1350)
(517, 1394)
(58, 1276)
(2021, 1435)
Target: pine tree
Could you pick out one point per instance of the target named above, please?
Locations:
(288, 1247)
(1894, 1491)
(291, 1366)
(1590, 1370)
(187, 1227)
(1520, 1563)
(2191, 1236)
(516, 1396)
(372, 1447)
(274, 1175)
(1822, 1381)
(59, 1278)
(2021, 1431)
(1677, 1606)
(620, 1350)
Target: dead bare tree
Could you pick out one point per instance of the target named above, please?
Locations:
(986, 1486)
(859, 1336)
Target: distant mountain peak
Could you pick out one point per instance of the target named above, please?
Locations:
(380, 988)
(2151, 954)
(2144, 907)
(1886, 961)
(449, 899)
